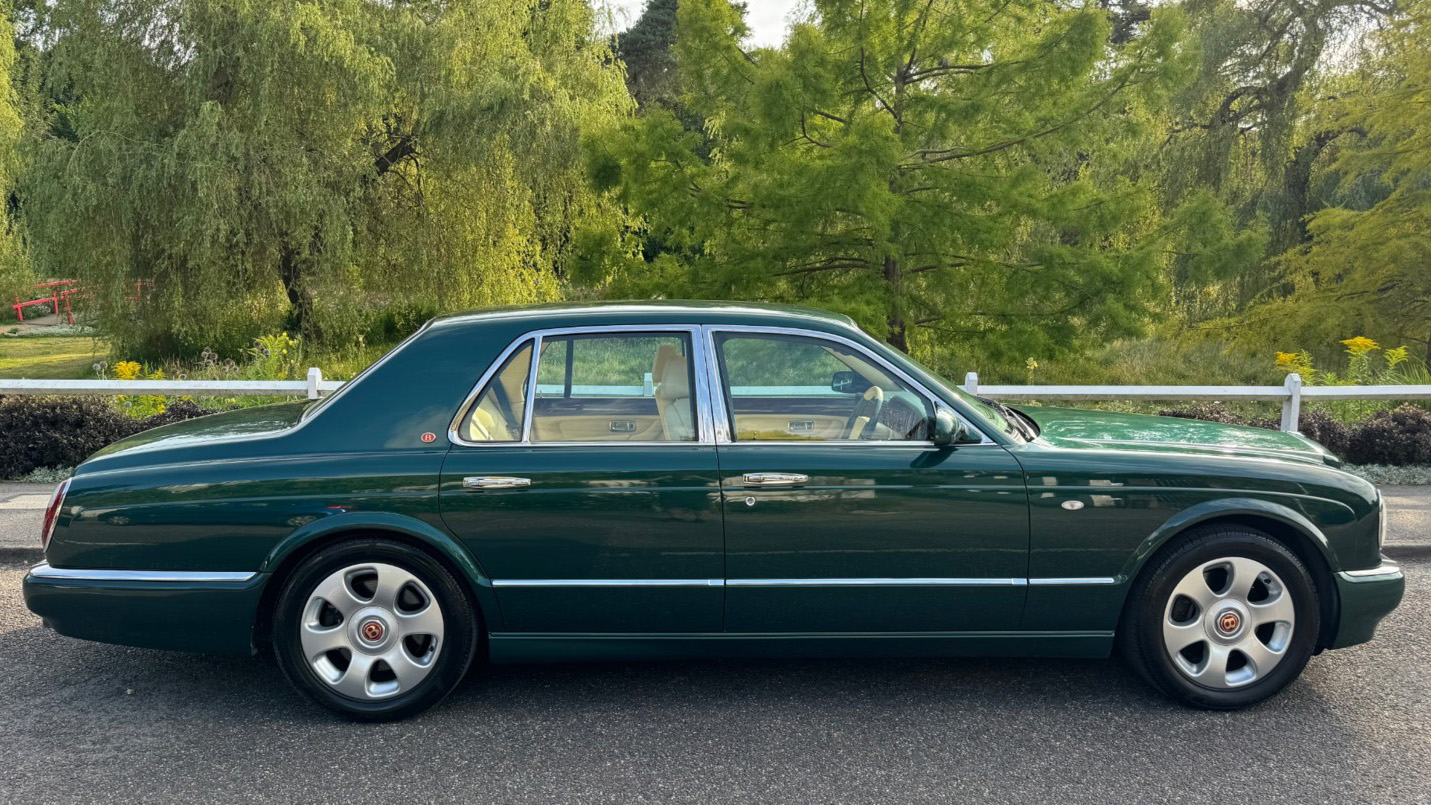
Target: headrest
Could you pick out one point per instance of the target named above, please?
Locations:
(670, 370)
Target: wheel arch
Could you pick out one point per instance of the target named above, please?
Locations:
(443, 547)
(1284, 525)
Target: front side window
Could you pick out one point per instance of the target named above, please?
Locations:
(795, 388)
(630, 387)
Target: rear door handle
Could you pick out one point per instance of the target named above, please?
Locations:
(774, 478)
(494, 482)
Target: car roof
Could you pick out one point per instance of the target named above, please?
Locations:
(659, 311)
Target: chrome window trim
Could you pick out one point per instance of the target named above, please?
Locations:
(722, 416)
(45, 571)
(700, 387)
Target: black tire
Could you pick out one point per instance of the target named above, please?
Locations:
(1150, 601)
(461, 624)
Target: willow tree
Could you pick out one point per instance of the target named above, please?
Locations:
(313, 160)
(1365, 270)
(918, 165)
(15, 273)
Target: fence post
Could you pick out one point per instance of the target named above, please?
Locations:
(315, 376)
(971, 382)
(1292, 406)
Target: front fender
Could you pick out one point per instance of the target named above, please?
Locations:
(424, 532)
(1231, 507)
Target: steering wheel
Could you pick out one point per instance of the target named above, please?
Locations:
(867, 407)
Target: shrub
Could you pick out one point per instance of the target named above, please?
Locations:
(62, 432)
(1326, 430)
(1397, 437)
(1207, 411)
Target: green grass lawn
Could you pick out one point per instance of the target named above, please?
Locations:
(50, 357)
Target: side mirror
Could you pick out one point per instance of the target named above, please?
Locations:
(849, 382)
(948, 429)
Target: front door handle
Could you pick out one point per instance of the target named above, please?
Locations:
(774, 478)
(494, 482)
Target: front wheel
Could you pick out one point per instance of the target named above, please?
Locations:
(374, 629)
(1224, 620)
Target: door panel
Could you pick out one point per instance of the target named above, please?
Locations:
(580, 549)
(880, 539)
(603, 513)
(875, 530)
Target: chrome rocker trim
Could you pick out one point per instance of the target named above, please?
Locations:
(44, 571)
(818, 582)
(1387, 568)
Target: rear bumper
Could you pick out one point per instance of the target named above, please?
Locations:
(1366, 597)
(178, 610)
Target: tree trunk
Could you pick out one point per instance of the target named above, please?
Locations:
(897, 336)
(300, 302)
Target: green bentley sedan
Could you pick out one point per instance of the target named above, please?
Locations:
(661, 480)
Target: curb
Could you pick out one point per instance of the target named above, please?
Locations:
(28, 556)
(1412, 550)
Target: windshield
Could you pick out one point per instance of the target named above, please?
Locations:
(989, 413)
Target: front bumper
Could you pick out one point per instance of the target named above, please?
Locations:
(1366, 597)
(178, 610)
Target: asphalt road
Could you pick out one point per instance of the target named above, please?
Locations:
(84, 722)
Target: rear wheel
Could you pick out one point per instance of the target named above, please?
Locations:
(374, 629)
(1224, 620)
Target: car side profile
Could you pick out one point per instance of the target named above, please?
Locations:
(654, 480)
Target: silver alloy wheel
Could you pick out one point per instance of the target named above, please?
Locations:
(371, 631)
(1228, 622)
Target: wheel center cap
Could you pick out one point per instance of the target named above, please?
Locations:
(373, 630)
(1229, 622)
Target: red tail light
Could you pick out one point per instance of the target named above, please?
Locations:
(52, 513)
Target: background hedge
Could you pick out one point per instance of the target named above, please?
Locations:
(62, 432)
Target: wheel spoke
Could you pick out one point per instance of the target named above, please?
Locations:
(318, 640)
(1244, 575)
(1194, 587)
(1262, 658)
(1214, 668)
(1278, 610)
(427, 621)
(391, 580)
(408, 672)
(338, 594)
(1179, 636)
(354, 682)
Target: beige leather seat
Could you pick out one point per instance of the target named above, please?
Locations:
(673, 394)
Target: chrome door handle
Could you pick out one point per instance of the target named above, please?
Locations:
(494, 482)
(774, 478)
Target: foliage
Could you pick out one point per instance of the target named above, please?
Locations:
(308, 162)
(62, 432)
(1398, 437)
(1367, 364)
(917, 167)
(1363, 265)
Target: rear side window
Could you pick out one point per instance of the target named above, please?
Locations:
(630, 387)
(497, 413)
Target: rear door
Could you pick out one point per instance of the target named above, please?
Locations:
(585, 483)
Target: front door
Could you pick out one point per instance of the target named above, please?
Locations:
(585, 486)
(840, 513)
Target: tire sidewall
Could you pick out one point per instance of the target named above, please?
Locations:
(1151, 606)
(458, 613)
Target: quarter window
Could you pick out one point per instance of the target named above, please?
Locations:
(497, 415)
(794, 388)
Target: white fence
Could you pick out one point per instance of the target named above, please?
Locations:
(1290, 394)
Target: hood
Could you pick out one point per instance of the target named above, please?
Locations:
(1108, 430)
(244, 423)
